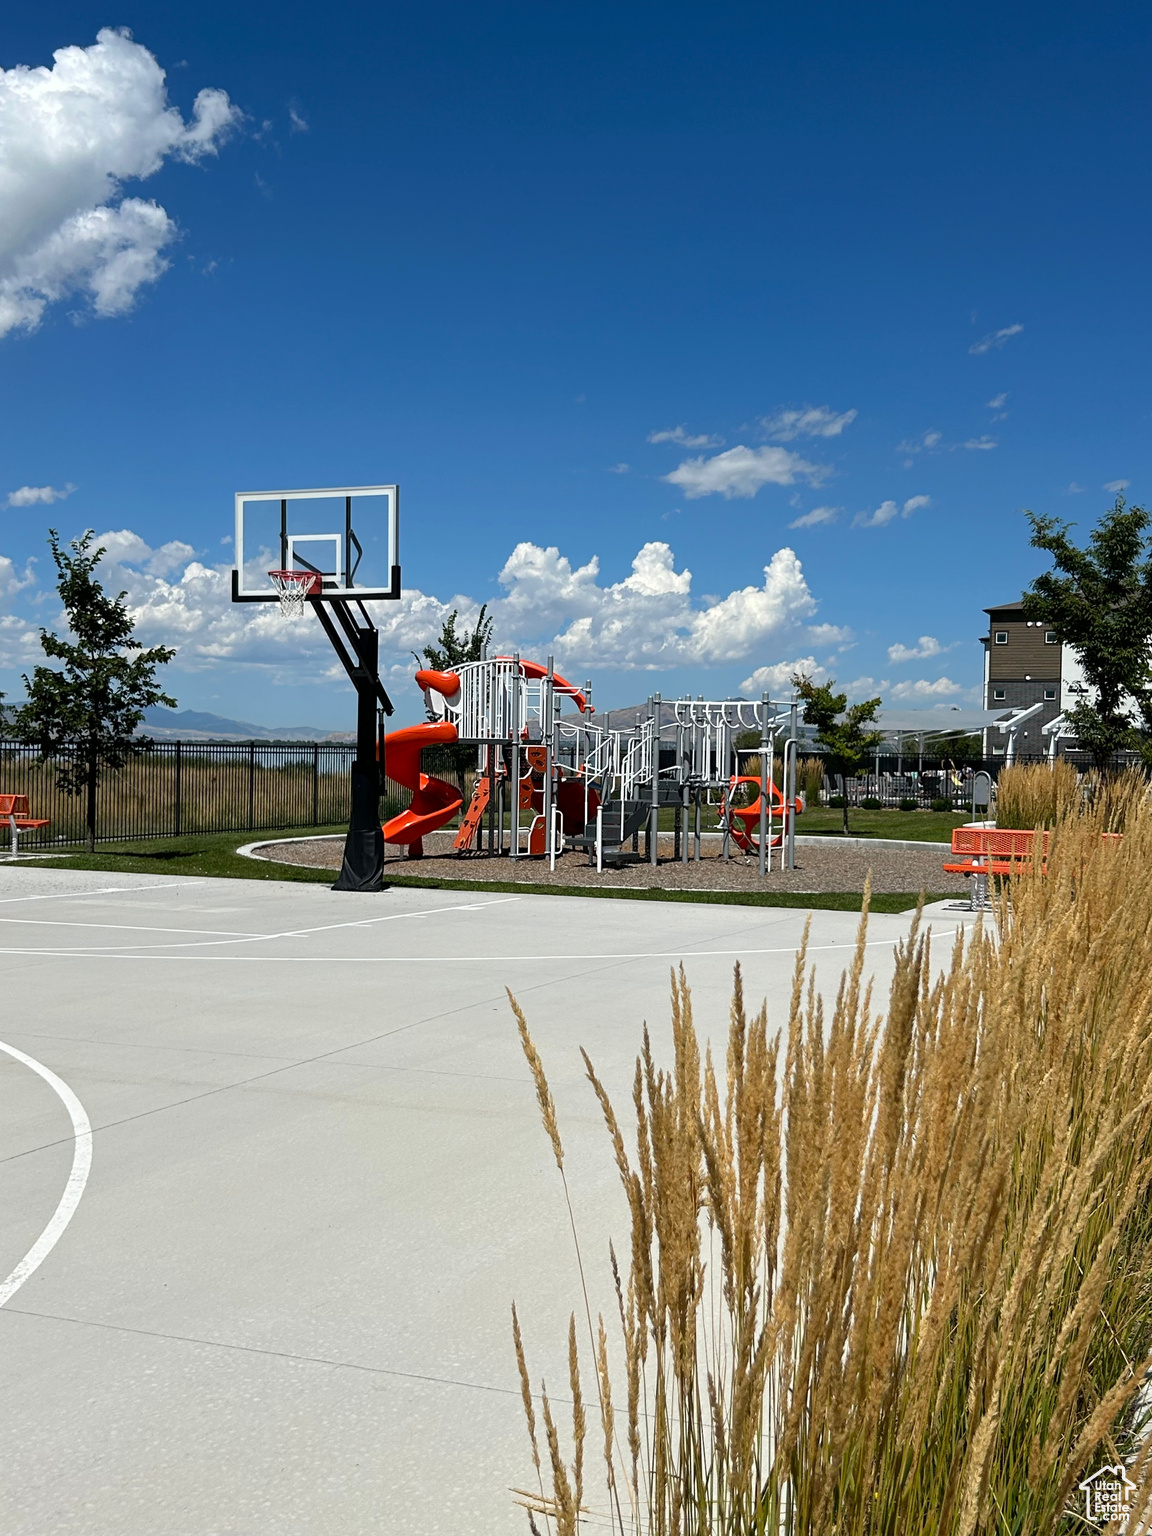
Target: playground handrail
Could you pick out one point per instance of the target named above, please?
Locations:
(636, 767)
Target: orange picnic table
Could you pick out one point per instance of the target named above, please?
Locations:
(983, 851)
(14, 811)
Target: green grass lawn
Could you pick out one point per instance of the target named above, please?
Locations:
(215, 856)
(212, 854)
(912, 826)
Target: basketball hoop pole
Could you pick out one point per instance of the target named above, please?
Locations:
(356, 641)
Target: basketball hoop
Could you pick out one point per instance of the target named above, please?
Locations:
(294, 589)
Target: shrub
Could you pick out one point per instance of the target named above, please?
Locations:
(837, 802)
(909, 805)
(881, 1279)
(872, 803)
(942, 805)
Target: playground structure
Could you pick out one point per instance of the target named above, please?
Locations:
(549, 782)
(335, 552)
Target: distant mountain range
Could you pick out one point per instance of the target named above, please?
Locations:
(195, 725)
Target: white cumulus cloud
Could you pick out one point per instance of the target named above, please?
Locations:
(838, 635)
(684, 438)
(70, 137)
(742, 471)
(942, 688)
(888, 510)
(13, 580)
(926, 646)
(865, 688)
(19, 634)
(982, 443)
(807, 421)
(995, 339)
(814, 518)
(38, 495)
(776, 679)
(645, 621)
(1116, 486)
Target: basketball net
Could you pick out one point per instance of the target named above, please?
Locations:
(294, 589)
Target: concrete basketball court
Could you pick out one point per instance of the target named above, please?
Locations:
(278, 1303)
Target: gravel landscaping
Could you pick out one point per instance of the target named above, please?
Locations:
(819, 868)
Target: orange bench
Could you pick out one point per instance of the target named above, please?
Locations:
(14, 810)
(990, 851)
(996, 851)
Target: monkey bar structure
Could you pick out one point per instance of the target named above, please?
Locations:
(707, 761)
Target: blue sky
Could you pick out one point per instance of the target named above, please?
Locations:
(874, 278)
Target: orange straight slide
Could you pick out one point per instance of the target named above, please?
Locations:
(434, 802)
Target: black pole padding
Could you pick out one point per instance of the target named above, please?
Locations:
(359, 650)
(367, 729)
(363, 866)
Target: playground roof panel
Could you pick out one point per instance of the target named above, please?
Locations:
(935, 722)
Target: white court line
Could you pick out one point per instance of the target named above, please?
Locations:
(390, 917)
(77, 1179)
(106, 890)
(242, 938)
(651, 954)
(60, 922)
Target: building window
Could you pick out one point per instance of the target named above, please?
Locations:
(1049, 693)
(997, 693)
(1001, 637)
(1049, 637)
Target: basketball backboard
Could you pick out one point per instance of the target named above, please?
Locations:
(349, 536)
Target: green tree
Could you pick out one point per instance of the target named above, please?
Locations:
(83, 713)
(961, 747)
(454, 648)
(1099, 601)
(840, 729)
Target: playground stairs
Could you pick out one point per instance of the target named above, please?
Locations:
(622, 820)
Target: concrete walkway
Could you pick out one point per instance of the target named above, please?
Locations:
(279, 1304)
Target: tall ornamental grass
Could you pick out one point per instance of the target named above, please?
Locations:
(1030, 795)
(810, 779)
(888, 1270)
(809, 773)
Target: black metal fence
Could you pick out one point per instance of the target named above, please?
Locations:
(182, 787)
(913, 782)
(177, 788)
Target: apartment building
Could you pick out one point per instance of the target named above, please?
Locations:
(1024, 664)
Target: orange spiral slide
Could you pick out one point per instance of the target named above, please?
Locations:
(434, 802)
